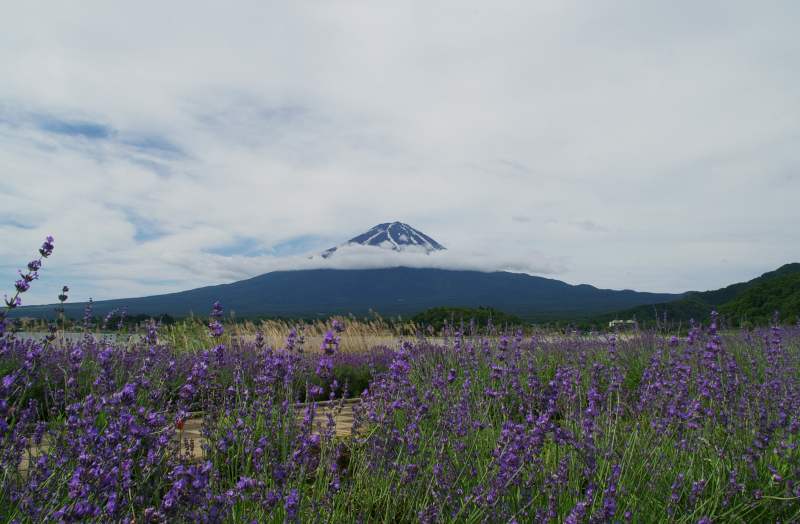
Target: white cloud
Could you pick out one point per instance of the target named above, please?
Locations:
(633, 145)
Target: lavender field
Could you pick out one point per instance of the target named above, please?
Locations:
(478, 426)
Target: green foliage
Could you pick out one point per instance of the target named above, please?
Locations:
(679, 311)
(759, 303)
(745, 303)
(352, 380)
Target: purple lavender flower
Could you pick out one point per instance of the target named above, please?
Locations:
(87, 315)
(330, 343)
(151, 337)
(291, 504)
(610, 495)
(122, 316)
(108, 318)
(22, 285)
(47, 247)
(128, 392)
(291, 340)
(697, 489)
(215, 326)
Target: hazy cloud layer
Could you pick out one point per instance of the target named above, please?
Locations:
(622, 144)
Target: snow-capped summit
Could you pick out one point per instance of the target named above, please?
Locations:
(396, 236)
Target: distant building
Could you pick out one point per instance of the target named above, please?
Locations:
(622, 324)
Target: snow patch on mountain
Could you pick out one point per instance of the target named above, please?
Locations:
(394, 236)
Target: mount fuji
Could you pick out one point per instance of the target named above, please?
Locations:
(395, 236)
(397, 290)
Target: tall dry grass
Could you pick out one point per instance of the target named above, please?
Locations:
(359, 335)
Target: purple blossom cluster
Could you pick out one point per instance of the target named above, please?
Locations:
(575, 430)
(92, 431)
(30, 274)
(701, 426)
(503, 428)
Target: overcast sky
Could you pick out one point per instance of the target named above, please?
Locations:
(169, 145)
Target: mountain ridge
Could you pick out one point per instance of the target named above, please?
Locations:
(388, 291)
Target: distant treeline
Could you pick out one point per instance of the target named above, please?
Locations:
(454, 316)
(745, 304)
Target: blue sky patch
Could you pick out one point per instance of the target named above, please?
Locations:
(241, 246)
(250, 247)
(299, 245)
(154, 144)
(8, 221)
(145, 229)
(79, 128)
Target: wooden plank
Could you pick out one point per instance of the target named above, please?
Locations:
(192, 440)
